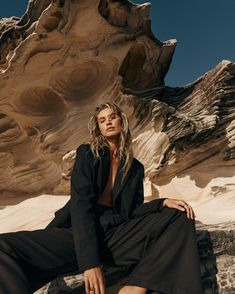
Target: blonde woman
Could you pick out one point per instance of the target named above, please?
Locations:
(105, 221)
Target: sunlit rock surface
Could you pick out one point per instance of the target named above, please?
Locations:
(30, 214)
(57, 63)
(62, 58)
(188, 146)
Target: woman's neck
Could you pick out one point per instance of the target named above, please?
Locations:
(113, 147)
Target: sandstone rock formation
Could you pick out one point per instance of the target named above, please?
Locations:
(56, 65)
(60, 60)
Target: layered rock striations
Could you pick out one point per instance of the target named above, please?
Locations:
(188, 144)
(62, 58)
(58, 62)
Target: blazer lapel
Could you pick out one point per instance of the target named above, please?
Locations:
(103, 171)
(118, 183)
(103, 174)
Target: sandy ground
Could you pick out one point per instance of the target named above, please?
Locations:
(36, 213)
(31, 214)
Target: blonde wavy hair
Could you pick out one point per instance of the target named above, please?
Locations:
(98, 141)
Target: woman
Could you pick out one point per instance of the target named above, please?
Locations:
(105, 221)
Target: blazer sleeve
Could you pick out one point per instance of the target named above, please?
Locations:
(83, 216)
(62, 217)
(149, 207)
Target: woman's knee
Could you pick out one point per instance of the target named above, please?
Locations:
(174, 212)
(181, 216)
(185, 221)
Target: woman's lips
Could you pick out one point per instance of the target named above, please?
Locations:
(110, 129)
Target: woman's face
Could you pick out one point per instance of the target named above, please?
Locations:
(109, 123)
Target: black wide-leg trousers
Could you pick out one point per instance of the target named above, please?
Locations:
(161, 246)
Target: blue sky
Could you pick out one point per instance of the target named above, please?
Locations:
(204, 30)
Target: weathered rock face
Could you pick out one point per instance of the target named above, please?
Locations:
(216, 245)
(60, 70)
(188, 146)
(64, 57)
(56, 66)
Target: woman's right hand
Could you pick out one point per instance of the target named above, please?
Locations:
(94, 281)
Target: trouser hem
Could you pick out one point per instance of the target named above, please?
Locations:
(160, 288)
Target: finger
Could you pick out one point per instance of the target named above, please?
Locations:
(102, 287)
(102, 283)
(92, 288)
(187, 211)
(93, 291)
(185, 207)
(179, 207)
(192, 213)
(87, 286)
(97, 289)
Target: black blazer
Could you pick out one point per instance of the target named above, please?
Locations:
(88, 180)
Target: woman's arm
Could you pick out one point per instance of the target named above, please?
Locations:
(144, 208)
(62, 217)
(83, 217)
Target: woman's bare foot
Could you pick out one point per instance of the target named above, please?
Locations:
(132, 290)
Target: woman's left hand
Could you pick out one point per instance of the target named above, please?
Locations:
(181, 205)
